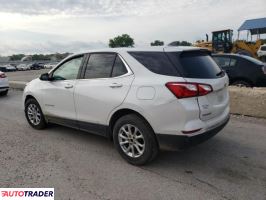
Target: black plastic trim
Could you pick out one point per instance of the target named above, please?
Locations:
(178, 142)
(94, 128)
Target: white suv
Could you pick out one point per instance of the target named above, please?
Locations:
(144, 99)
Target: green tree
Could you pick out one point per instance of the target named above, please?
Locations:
(17, 57)
(178, 43)
(157, 43)
(121, 41)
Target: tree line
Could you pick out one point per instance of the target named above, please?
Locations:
(123, 40)
(126, 40)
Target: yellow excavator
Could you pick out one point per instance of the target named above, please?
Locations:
(222, 41)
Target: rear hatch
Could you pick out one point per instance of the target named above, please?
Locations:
(196, 66)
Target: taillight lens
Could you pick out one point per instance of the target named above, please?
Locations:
(2, 75)
(185, 90)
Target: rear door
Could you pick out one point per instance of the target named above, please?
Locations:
(198, 67)
(104, 86)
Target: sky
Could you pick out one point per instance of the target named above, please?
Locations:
(49, 26)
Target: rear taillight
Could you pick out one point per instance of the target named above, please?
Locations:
(185, 90)
(264, 69)
(2, 75)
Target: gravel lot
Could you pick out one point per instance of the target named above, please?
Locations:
(79, 165)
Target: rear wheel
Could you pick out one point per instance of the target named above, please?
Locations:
(34, 114)
(241, 83)
(135, 140)
(4, 93)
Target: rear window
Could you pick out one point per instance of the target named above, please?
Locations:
(195, 64)
(157, 62)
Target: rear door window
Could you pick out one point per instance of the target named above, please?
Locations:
(119, 68)
(222, 61)
(99, 65)
(225, 62)
(196, 64)
(157, 62)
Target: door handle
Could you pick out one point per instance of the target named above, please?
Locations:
(68, 86)
(116, 85)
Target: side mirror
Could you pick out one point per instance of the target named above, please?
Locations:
(45, 77)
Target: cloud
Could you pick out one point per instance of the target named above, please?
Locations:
(98, 7)
(48, 47)
(55, 25)
(30, 42)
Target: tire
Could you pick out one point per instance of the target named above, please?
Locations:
(4, 93)
(36, 118)
(241, 83)
(143, 142)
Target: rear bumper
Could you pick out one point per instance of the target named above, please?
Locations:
(4, 88)
(178, 142)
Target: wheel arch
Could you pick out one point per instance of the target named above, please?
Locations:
(29, 96)
(122, 112)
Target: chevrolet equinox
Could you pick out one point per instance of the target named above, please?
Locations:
(143, 99)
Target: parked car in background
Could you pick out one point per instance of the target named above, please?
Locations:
(10, 68)
(41, 65)
(145, 99)
(35, 66)
(3, 68)
(243, 71)
(50, 65)
(23, 67)
(262, 52)
(4, 86)
(7, 68)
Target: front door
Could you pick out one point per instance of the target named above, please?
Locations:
(58, 93)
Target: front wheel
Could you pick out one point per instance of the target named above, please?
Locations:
(135, 140)
(34, 114)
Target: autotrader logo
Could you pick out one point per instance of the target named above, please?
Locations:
(27, 193)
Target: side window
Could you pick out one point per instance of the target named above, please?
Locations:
(69, 70)
(119, 68)
(157, 62)
(222, 61)
(99, 65)
(233, 62)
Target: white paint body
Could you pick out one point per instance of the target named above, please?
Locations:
(94, 101)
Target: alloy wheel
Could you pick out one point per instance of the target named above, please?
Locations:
(34, 114)
(131, 140)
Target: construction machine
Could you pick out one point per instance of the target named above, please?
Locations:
(222, 41)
